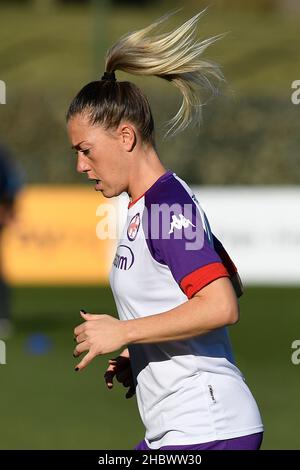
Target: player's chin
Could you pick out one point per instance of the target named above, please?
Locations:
(106, 193)
(110, 192)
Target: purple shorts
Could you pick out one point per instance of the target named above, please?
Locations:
(250, 442)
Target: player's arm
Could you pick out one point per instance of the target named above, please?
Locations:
(214, 306)
(201, 275)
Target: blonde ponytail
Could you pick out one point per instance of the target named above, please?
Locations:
(173, 56)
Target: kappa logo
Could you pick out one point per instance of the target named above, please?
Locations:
(133, 227)
(179, 223)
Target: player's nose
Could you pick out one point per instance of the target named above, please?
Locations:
(82, 165)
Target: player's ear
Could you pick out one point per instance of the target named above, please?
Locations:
(128, 136)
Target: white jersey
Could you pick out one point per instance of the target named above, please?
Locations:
(188, 391)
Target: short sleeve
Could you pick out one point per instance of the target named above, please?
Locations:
(178, 235)
(226, 260)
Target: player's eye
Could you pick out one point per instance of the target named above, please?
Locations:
(85, 151)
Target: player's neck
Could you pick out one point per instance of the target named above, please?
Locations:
(146, 170)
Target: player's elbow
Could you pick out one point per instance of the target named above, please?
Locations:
(231, 313)
(228, 303)
(224, 313)
(227, 313)
(228, 307)
(221, 301)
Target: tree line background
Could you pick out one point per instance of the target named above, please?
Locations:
(249, 133)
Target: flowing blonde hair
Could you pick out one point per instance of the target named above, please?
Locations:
(175, 56)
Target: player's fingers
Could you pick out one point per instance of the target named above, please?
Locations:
(123, 374)
(120, 361)
(112, 361)
(80, 348)
(80, 338)
(109, 376)
(85, 361)
(85, 315)
(128, 382)
(79, 329)
(130, 392)
(109, 379)
(89, 316)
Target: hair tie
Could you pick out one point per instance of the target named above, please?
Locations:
(109, 76)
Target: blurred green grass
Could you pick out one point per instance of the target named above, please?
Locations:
(46, 405)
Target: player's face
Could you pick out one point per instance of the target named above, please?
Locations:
(100, 156)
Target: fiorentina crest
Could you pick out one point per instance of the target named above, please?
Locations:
(133, 227)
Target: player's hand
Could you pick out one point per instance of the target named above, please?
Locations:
(121, 369)
(99, 334)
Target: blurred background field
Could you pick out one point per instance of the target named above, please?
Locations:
(49, 49)
(46, 405)
(250, 136)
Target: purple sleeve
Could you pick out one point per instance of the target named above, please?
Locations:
(176, 237)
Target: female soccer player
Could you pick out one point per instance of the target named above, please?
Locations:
(174, 285)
